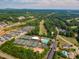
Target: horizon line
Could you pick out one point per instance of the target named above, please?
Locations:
(41, 8)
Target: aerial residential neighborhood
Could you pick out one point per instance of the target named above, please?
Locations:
(39, 29)
(30, 36)
(22, 34)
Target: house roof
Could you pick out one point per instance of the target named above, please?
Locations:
(71, 55)
(65, 53)
(45, 41)
(35, 37)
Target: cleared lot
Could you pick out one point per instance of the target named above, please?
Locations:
(71, 39)
(42, 28)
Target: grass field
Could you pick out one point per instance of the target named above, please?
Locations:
(60, 43)
(72, 40)
(73, 27)
(42, 28)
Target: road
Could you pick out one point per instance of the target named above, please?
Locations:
(58, 36)
(2, 54)
(52, 51)
(67, 41)
(8, 26)
(16, 24)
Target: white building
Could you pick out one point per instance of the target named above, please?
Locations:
(21, 17)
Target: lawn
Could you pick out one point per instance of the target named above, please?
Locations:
(60, 43)
(42, 28)
(72, 40)
(73, 27)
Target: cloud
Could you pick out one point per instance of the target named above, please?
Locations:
(69, 4)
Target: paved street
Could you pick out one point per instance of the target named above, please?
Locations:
(52, 51)
(2, 54)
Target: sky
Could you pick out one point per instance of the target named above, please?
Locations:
(40, 4)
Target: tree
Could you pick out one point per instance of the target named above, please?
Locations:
(78, 35)
(77, 57)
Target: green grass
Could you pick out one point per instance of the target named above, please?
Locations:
(73, 27)
(72, 40)
(60, 43)
(56, 56)
(20, 52)
(42, 30)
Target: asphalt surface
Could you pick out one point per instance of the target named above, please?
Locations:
(52, 51)
(6, 56)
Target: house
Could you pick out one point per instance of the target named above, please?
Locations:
(2, 32)
(65, 53)
(21, 17)
(77, 51)
(40, 50)
(35, 38)
(44, 40)
(2, 39)
(2, 25)
(71, 55)
(66, 46)
(62, 30)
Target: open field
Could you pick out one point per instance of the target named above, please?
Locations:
(42, 28)
(73, 27)
(72, 40)
(60, 43)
